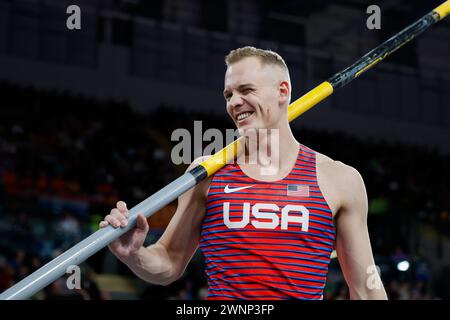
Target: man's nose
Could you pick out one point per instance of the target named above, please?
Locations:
(235, 100)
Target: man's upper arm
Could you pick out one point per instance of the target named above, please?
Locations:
(181, 236)
(352, 240)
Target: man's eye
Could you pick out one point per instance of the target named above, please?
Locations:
(247, 91)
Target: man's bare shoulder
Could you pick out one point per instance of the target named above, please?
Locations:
(335, 169)
(340, 183)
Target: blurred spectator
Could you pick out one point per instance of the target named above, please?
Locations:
(69, 229)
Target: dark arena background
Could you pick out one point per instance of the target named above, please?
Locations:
(86, 117)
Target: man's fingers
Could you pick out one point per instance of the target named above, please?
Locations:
(103, 224)
(115, 213)
(112, 220)
(122, 206)
(141, 222)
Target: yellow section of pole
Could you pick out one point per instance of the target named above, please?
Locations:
(309, 100)
(443, 10)
(222, 157)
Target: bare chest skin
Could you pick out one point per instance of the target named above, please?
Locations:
(269, 173)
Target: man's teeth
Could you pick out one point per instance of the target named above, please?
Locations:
(243, 115)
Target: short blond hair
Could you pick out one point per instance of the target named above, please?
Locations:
(265, 56)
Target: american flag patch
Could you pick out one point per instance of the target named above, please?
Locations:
(296, 190)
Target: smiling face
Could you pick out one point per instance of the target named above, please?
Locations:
(256, 94)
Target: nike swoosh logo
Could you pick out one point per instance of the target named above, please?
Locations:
(230, 190)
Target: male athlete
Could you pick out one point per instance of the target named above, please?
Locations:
(263, 236)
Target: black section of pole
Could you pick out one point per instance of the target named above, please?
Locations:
(199, 173)
(383, 50)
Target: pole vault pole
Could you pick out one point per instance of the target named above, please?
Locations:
(101, 238)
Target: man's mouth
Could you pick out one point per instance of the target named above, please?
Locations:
(244, 115)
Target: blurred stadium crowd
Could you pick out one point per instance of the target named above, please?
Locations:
(65, 160)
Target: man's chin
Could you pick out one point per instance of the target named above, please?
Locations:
(246, 130)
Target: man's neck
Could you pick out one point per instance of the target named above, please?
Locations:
(270, 150)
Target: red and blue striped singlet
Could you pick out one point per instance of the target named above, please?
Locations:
(267, 240)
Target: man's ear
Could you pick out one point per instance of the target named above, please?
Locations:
(284, 91)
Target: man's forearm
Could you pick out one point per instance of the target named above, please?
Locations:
(368, 294)
(377, 294)
(152, 264)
